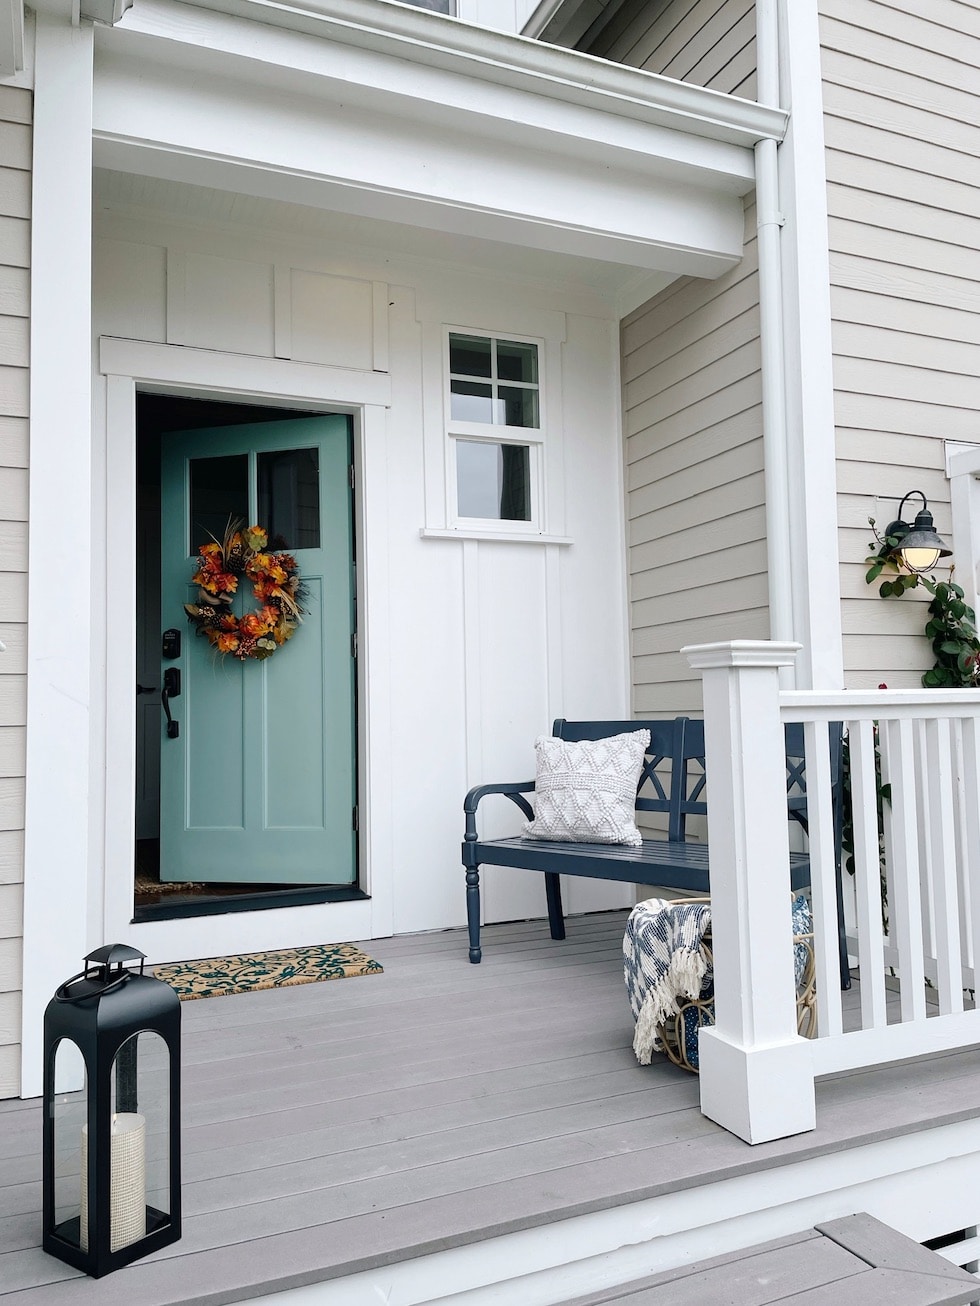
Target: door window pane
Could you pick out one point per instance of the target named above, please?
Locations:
(493, 480)
(219, 494)
(289, 498)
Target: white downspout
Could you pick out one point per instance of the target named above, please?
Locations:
(774, 425)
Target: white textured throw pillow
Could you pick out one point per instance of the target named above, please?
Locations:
(585, 791)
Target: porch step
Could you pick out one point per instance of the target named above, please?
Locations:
(856, 1261)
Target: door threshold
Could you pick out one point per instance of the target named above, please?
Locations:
(238, 902)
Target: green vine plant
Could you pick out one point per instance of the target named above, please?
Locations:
(952, 624)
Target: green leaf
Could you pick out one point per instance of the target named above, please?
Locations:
(873, 573)
(886, 589)
(952, 647)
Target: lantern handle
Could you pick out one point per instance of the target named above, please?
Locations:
(61, 992)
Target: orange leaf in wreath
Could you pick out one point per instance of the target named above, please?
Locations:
(227, 643)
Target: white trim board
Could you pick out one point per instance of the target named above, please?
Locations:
(894, 1180)
(57, 847)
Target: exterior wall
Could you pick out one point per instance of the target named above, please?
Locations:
(695, 480)
(15, 187)
(707, 42)
(902, 103)
(487, 640)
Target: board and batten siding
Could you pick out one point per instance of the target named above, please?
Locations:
(706, 42)
(901, 108)
(695, 478)
(15, 198)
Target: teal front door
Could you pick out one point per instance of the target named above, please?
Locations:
(257, 776)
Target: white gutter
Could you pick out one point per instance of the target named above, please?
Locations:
(774, 423)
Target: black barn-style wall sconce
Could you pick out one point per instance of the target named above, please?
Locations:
(917, 546)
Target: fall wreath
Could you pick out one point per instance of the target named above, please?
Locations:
(275, 583)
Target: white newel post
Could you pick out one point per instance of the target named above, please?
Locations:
(756, 1071)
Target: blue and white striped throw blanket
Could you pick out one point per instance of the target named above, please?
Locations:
(662, 964)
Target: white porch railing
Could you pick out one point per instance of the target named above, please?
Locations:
(757, 1075)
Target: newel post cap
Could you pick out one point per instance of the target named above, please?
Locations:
(741, 653)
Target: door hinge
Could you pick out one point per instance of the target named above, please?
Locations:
(353, 645)
(353, 818)
(350, 471)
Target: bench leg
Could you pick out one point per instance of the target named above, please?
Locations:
(473, 912)
(556, 917)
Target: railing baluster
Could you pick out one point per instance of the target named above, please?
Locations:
(905, 905)
(823, 876)
(941, 838)
(970, 735)
(923, 794)
(867, 872)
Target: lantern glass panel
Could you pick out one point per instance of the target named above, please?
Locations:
(69, 1112)
(140, 1184)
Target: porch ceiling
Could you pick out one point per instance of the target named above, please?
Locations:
(307, 111)
(592, 284)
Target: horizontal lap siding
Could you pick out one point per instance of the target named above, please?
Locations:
(695, 483)
(902, 108)
(15, 193)
(706, 42)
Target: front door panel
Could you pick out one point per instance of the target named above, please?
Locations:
(259, 784)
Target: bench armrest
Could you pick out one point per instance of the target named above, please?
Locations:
(513, 791)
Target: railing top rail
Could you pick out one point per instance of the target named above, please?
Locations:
(872, 705)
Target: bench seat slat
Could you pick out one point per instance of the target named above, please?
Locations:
(663, 858)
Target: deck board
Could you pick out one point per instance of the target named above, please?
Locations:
(341, 1126)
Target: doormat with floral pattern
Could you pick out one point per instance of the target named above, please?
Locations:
(216, 976)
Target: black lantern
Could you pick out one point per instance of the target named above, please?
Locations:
(111, 1114)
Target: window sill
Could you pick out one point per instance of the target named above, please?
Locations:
(503, 537)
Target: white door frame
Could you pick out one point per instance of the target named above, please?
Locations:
(131, 365)
(106, 762)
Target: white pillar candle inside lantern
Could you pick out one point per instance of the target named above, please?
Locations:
(127, 1184)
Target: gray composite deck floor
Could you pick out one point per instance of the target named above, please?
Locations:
(340, 1126)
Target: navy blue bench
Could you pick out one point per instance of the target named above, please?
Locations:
(671, 783)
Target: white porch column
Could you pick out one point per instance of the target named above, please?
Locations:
(963, 470)
(756, 1073)
(58, 818)
(808, 353)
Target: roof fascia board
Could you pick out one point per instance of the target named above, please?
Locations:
(161, 34)
(437, 41)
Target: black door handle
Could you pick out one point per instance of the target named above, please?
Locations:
(171, 689)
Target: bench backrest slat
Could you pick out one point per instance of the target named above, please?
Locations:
(673, 778)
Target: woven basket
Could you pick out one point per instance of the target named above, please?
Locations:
(681, 1031)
